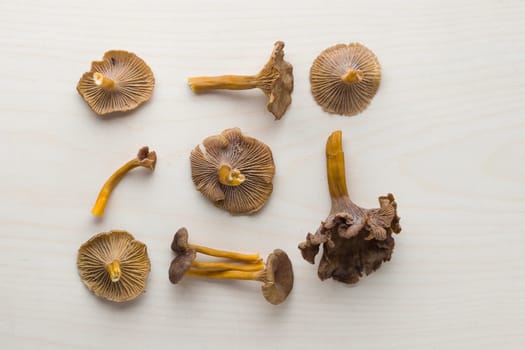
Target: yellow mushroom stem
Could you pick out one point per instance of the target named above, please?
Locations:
(229, 176)
(229, 274)
(103, 81)
(252, 258)
(222, 266)
(224, 82)
(335, 166)
(353, 76)
(113, 269)
(145, 158)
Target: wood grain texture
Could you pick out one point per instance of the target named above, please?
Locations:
(444, 134)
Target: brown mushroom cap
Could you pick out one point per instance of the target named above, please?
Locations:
(133, 83)
(180, 265)
(179, 245)
(251, 157)
(279, 277)
(276, 81)
(332, 92)
(105, 248)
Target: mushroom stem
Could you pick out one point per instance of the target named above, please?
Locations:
(221, 266)
(225, 82)
(113, 269)
(229, 274)
(353, 76)
(253, 258)
(144, 158)
(335, 167)
(103, 81)
(229, 176)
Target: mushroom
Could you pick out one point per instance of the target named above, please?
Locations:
(354, 239)
(276, 274)
(234, 171)
(114, 265)
(345, 78)
(120, 82)
(275, 79)
(145, 158)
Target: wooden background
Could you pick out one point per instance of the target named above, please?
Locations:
(444, 134)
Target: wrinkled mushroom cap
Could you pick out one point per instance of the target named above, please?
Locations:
(252, 157)
(279, 277)
(276, 80)
(180, 241)
(335, 95)
(180, 265)
(133, 79)
(103, 249)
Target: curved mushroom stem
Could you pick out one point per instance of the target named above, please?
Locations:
(353, 76)
(144, 158)
(230, 274)
(229, 176)
(103, 81)
(222, 266)
(114, 271)
(253, 258)
(224, 82)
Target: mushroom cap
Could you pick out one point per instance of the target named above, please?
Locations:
(276, 80)
(279, 277)
(180, 241)
(335, 95)
(250, 156)
(103, 249)
(180, 265)
(134, 82)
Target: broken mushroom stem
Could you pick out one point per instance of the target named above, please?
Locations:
(103, 81)
(144, 158)
(229, 176)
(353, 76)
(114, 271)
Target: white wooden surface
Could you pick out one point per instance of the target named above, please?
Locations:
(444, 134)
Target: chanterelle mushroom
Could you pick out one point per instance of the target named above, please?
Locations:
(275, 79)
(120, 82)
(354, 239)
(145, 158)
(114, 265)
(234, 171)
(276, 274)
(345, 78)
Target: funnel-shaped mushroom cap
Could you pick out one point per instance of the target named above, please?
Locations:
(114, 265)
(276, 80)
(249, 167)
(345, 78)
(120, 82)
(180, 241)
(180, 265)
(279, 277)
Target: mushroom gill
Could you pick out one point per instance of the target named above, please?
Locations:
(345, 78)
(234, 171)
(114, 265)
(120, 82)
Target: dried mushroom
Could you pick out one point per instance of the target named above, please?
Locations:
(145, 158)
(120, 82)
(276, 273)
(234, 171)
(354, 239)
(345, 78)
(275, 79)
(114, 265)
